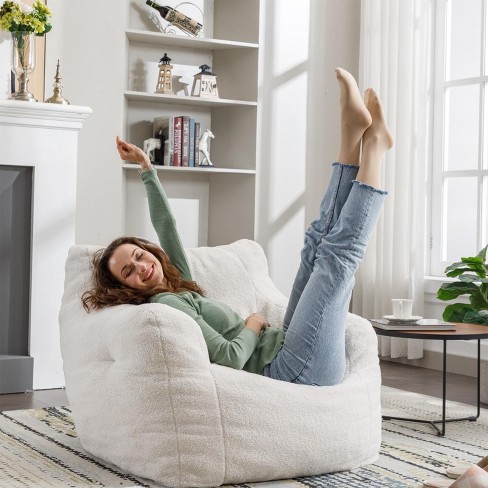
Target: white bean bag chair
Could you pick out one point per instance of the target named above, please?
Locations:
(146, 398)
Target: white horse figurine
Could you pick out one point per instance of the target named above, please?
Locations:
(150, 145)
(203, 148)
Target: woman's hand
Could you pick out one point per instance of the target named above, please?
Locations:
(256, 323)
(130, 152)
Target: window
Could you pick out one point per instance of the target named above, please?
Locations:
(459, 220)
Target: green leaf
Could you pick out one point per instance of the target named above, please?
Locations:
(472, 260)
(478, 301)
(475, 264)
(484, 290)
(449, 291)
(456, 312)
(454, 266)
(482, 254)
(456, 272)
(469, 278)
(475, 317)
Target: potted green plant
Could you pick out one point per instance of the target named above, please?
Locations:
(472, 281)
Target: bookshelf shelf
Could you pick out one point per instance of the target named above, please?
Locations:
(134, 96)
(219, 201)
(160, 39)
(186, 169)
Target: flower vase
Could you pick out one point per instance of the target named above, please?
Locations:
(23, 62)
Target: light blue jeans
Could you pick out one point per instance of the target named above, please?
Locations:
(315, 320)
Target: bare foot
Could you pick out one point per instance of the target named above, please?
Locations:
(377, 139)
(378, 132)
(355, 118)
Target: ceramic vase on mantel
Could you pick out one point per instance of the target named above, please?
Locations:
(23, 62)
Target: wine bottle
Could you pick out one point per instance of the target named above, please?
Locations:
(176, 18)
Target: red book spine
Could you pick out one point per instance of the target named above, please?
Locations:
(177, 139)
(185, 141)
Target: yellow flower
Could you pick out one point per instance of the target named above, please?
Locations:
(19, 17)
(41, 8)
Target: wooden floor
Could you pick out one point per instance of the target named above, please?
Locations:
(427, 381)
(459, 388)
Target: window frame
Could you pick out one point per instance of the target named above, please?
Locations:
(440, 175)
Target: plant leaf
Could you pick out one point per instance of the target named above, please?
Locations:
(456, 272)
(454, 266)
(475, 264)
(472, 260)
(449, 291)
(456, 312)
(482, 254)
(478, 300)
(475, 317)
(469, 278)
(484, 290)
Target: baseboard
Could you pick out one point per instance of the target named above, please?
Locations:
(433, 360)
(16, 374)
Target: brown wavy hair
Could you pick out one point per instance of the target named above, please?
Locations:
(108, 291)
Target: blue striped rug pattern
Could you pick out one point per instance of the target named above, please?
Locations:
(39, 449)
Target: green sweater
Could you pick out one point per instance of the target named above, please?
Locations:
(228, 341)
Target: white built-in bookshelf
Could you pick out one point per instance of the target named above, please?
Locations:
(216, 205)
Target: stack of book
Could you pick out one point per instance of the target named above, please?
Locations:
(179, 141)
(406, 324)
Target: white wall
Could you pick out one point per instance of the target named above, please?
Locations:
(4, 65)
(93, 74)
(299, 130)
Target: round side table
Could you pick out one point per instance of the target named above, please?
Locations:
(463, 332)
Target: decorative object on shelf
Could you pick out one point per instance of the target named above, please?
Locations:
(205, 83)
(149, 146)
(24, 23)
(57, 97)
(178, 19)
(165, 77)
(204, 149)
(23, 62)
(469, 271)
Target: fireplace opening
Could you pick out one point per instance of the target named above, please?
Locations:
(16, 367)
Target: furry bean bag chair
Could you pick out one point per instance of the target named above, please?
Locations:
(146, 398)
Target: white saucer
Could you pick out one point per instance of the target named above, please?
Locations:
(392, 318)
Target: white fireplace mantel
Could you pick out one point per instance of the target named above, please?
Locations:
(45, 137)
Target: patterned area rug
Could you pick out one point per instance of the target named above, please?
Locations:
(39, 449)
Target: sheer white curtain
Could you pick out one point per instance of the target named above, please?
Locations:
(395, 59)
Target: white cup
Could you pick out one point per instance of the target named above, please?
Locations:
(402, 308)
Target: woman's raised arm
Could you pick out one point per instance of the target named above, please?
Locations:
(130, 152)
(161, 216)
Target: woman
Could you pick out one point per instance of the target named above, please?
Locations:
(310, 348)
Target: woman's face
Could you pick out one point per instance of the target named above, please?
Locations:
(136, 268)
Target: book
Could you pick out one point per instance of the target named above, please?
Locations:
(197, 140)
(177, 141)
(191, 161)
(423, 324)
(185, 140)
(164, 127)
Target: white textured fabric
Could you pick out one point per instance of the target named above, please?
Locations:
(145, 397)
(394, 60)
